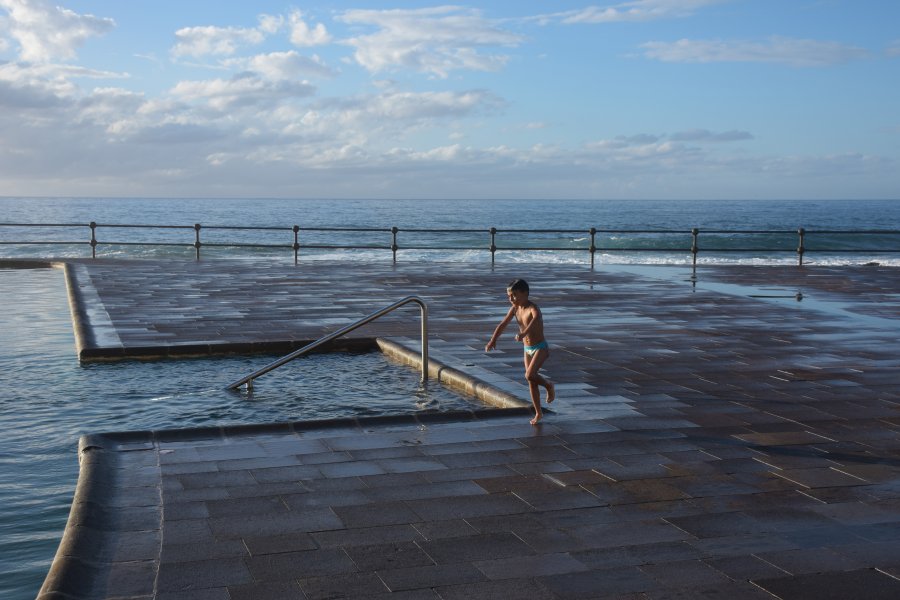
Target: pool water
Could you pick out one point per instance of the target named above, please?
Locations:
(48, 400)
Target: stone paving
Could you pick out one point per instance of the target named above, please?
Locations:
(714, 437)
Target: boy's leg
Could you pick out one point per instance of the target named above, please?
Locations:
(533, 389)
(532, 372)
(532, 375)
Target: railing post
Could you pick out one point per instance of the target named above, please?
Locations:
(695, 248)
(296, 244)
(93, 239)
(197, 239)
(394, 246)
(493, 244)
(593, 246)
(800, 249)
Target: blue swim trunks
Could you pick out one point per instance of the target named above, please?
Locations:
(530, 350)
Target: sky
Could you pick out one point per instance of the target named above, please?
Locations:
(662, 99)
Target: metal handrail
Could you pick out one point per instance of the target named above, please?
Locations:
(201, 239)
(423, 309)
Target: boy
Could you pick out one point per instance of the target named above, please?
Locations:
(531, 334)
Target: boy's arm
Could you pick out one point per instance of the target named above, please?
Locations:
(499, 330)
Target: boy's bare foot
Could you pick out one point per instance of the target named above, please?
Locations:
(536, 419)
(551, 392)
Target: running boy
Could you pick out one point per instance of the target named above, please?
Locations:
(531, 334)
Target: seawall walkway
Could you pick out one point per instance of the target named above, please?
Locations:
(714, 436)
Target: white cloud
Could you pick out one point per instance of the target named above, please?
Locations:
(246, 90)
(304, 35)
(46, 32)
(704, 135)
(636, 10)
(281, 65)
(429, 40)
(217, 41)
(782, 50)
(893, 49)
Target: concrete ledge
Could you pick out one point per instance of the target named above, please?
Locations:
(452, 378)
(89, 563)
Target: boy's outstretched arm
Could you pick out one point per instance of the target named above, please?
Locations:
(499, 330)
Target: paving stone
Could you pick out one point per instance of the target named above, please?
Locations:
(476, 547)
(379, 557)
(288, 590)
(434, 576)
(349, 584)
(684, 574)
(523, 589)
(290, 566)
(198, 575)
(873, 584)
(598, 583)
(523, 567)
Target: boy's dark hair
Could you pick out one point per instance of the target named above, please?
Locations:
(519, 285)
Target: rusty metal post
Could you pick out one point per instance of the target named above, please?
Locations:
(493, 244)
(394, 246)
(800, 249)
(593, 246)
(296, 244)
(695, 248)
(197, 239)
(93, 239)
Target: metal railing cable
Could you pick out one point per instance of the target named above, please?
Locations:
(493, 240)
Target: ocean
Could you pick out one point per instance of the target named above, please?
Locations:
(627, 229)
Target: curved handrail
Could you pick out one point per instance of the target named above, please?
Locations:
(423, 309)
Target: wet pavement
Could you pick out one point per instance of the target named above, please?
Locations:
(713, 436)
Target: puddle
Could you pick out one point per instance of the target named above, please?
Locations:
(789, 297)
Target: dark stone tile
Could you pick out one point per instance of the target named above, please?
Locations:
(685, 574)
(523, 567)
(629, 534)
(477, 547)
(598, 583)
(365, 536)
(220, 593)
(745, 568)
(733, 590)
(183, 576)
(437, 530)
(347, 585)
(244, 506)
(424, 490)
(430, 576)
(397, 555)
(276, 544)
(464, 507)
(376, 514)
(520, 589)
(287, 590)
(291, 566)
(873, 585)
(810, 560)
(319, 499)
(202, 551)
(715, 525)
(739, 545)
(312, 519)
(874, 554)
(216, 479)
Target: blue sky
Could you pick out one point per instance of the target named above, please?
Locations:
(622, 99)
